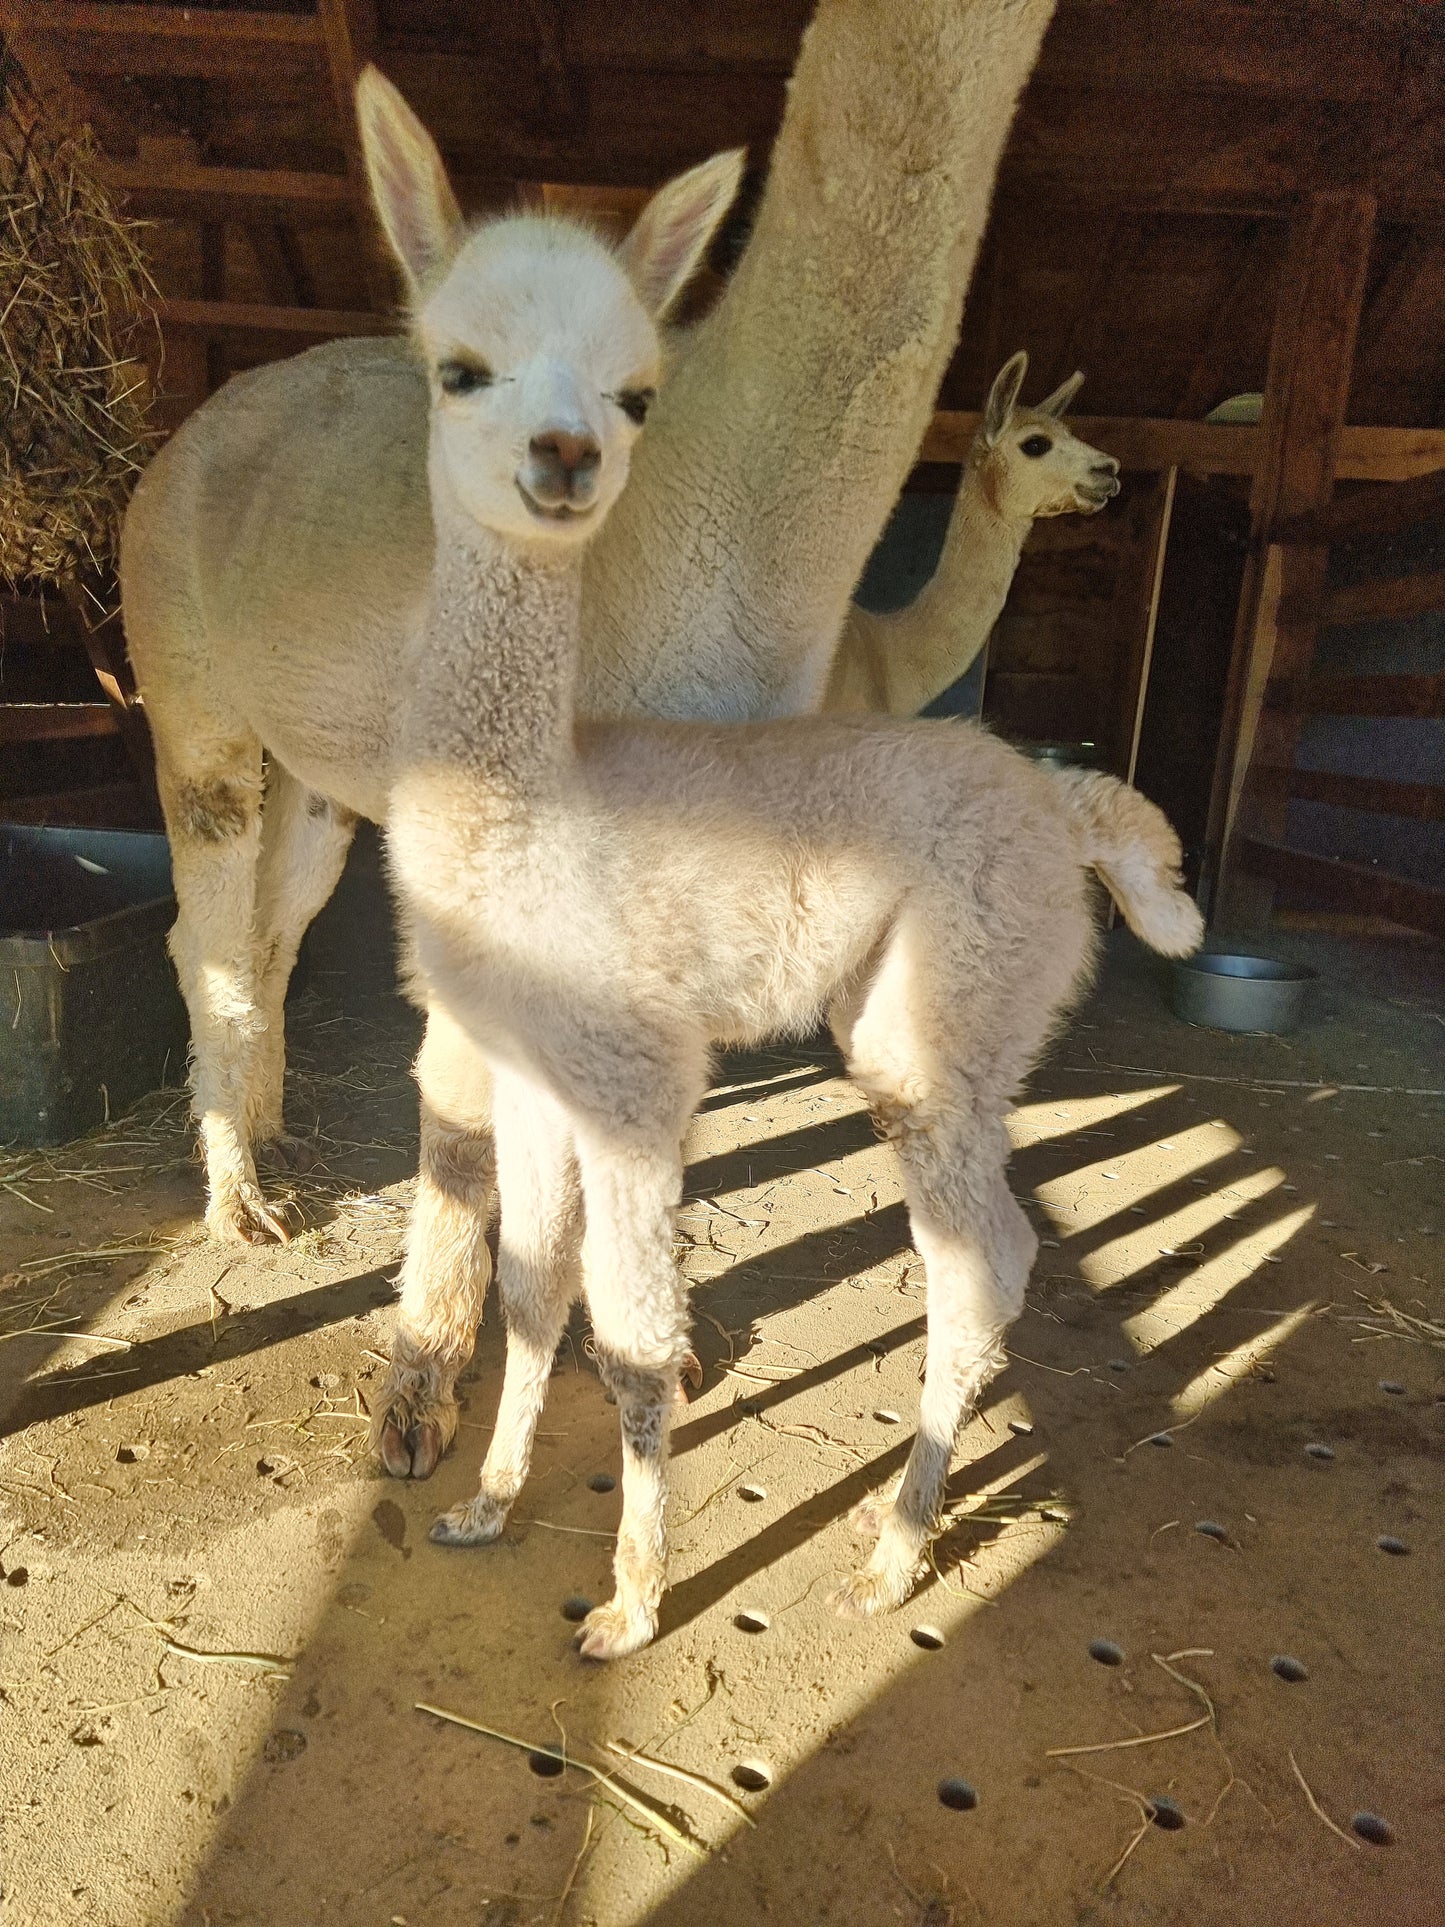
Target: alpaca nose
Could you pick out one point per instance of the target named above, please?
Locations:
(1109, 465)
(564, 465)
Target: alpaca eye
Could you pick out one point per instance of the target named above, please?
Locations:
(1035, 445)
(635, 402)
(463, 377)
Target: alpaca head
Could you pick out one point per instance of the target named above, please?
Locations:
(540, 339)
(1031, 464)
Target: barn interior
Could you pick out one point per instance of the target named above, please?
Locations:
(1174, 1658)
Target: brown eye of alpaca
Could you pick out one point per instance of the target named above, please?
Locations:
(1035, 445)
(635, 402)
(463, 377)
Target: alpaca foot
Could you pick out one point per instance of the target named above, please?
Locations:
(690, 1374)
(242, 1216)
(413, 1422)
(866, 1593)
(615, 1630)
(283, 1152)
(477, 1523)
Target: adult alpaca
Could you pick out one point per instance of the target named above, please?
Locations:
(596, 908)
(1023, 464)
(274, 550)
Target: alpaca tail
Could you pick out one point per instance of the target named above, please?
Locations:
(1132, 846)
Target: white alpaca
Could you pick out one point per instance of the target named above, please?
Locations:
(276, 547)
(595, 907)
(1022, 464)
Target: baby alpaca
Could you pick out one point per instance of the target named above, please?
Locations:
(591, 908)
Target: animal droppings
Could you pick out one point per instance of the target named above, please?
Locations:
(751, 1621)
(957, 1795)
(1369, 1826)
(546, 1764)
(601, 1482)
(886, 1417)
(1393, 1387)
(1387, 1543)
(1166, 1813)
(1283, 1667)
(752, 1776)
(928, 1637)
(1106, 1652)
(1212, 1530)
(1161, 1439)
(752, 1494)
(1120, 1365)
(1322, 1452)
(1021, 1428)
(17, 1576)
(576, 1608)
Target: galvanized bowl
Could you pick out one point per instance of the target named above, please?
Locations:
(1231, 992)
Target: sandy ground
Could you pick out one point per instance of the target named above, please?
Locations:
(217, 1617)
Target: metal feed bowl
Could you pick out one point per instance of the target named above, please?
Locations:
(1231, 992)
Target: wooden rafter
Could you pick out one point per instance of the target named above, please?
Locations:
(349, 33)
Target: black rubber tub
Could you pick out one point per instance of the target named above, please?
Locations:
(90, 1014)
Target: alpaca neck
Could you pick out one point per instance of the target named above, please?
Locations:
(492, 681)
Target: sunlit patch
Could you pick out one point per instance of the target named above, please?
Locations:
(1171, 1236)
(1053, 1118)
(1194, 1297)
(1091, 1193)
(1227, 1372)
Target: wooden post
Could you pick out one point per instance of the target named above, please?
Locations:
(1311, 359)
(349, 28)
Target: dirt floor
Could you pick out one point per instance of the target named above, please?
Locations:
(1218, 1447)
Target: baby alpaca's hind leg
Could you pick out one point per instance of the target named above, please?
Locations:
(538, 1276)
(447, 1268)
(977, 1248)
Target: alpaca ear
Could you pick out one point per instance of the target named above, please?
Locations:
(1002, 396)
(408, 182)
(1063, 395)
(675, 229)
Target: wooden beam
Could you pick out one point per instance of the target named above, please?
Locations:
(120, 806)
(1388, 598)
(1345, 886)
(202, 43)
(350, 33)
(55, 722)
(1418, 802)
(1248, 286)
(189, 191)
(1420, 697)
(48, 79)
(1205, 448)
(256, 318)
(1376, 511)
(283, 269)
(1311, 361)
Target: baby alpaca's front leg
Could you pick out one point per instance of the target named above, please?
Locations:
(639, 1322)
(645, 1401)
(537, 1280)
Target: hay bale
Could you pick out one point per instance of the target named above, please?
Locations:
(74, 290)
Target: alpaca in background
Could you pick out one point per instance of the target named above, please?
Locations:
(275, 549)
(1022, 464)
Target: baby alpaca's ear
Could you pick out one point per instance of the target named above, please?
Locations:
(408, 182)
(674, 230)
(1003, 395)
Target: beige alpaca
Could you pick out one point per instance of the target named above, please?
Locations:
(595, 908)
(1022, 464)
(276, 548)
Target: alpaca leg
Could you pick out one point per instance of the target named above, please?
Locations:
(639, 1322)
(976, 1243)
(304, 840)
(538, 1276)
(211, 795)
(447, 1267)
